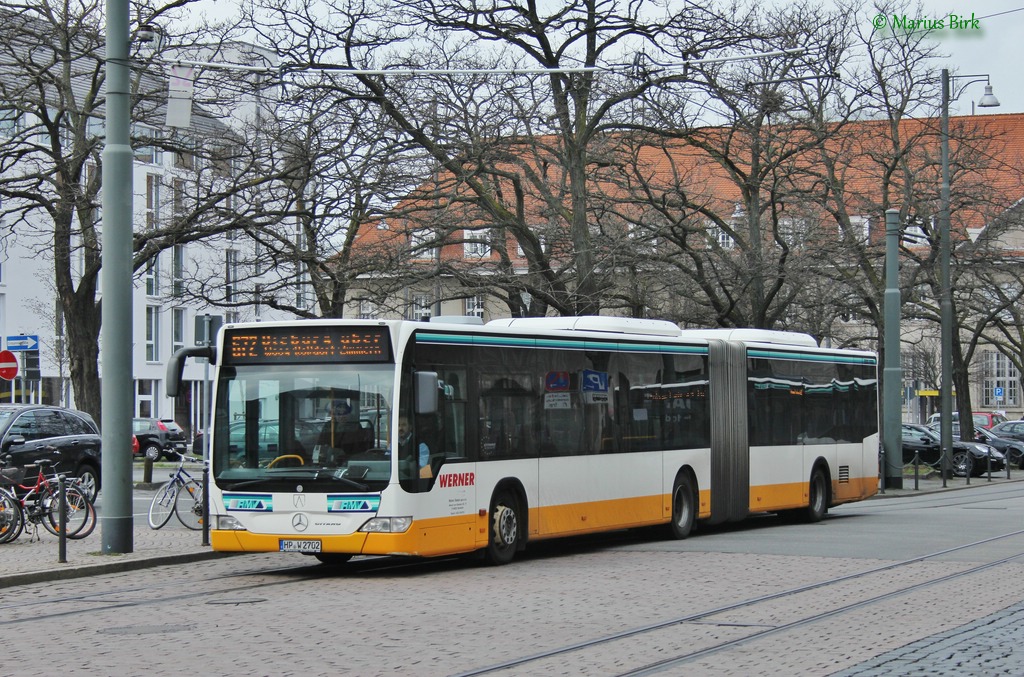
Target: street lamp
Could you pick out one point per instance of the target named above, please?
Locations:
(946, 291)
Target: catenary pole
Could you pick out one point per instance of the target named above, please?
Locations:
(116, 333)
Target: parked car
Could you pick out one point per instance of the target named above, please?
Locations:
(982, 419)
(32, 432)
(968, 457)
(1012, 449)
(1012, 429)
(159, 437)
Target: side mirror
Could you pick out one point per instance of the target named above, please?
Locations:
(426, 392)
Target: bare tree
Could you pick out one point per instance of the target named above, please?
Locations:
(540, 136)
(51, 87)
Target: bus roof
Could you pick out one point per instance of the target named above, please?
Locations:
(786, 338)
(619, 325)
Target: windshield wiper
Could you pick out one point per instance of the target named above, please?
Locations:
(311, 474)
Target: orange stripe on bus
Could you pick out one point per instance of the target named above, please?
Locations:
(465, 533)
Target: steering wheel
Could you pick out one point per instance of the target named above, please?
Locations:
(281, 458)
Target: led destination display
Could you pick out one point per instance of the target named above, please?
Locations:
(307, 345)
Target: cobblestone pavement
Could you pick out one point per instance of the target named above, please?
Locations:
(993, 645)
(990, 646)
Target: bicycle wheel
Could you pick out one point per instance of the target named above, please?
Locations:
(189, 505)
(76, 512)
(90, 521)
(12, 521)
(162, 507)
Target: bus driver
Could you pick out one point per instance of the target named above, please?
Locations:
(405, 449)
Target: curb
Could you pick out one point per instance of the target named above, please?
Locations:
(908, 487)
(113, 567)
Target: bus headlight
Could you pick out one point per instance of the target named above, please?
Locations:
(387, 525)
(227, 523)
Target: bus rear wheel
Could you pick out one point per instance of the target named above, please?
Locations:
(684, 507)
(817, 497)
(503, 538)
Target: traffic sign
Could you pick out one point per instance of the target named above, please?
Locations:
(23, 342)
(8, 365)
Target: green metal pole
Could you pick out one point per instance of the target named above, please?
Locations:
(946, 293)
(892, 372)
(116, 334)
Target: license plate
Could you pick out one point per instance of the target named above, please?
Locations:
(299, 546)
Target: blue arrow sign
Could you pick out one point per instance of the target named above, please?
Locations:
(23, 342)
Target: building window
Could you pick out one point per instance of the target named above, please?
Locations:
(152, 201)
(152, 333)
(477, 245)
(179, 196)
(144, 398)
(474, 306)
(543, 245)
(146, 150)
(177, 329)
(421, 307)
(420, 242)
(153, 276)
(1001, 381)
(11, 122)
(184, 156)
(178, 270)
(232, 317)
(92, 178)
(230, 274)
(367, 309)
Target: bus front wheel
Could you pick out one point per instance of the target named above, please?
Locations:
(684, 507)
(503, 539)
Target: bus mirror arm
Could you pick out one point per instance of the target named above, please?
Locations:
(177, 363)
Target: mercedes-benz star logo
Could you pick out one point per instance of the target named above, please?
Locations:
(300, 522)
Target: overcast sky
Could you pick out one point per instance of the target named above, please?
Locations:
(997, 49)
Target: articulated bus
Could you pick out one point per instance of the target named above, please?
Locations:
(341, 437)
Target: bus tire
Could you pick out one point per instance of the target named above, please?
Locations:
(504, 528)
(817, 496)
(684, 507)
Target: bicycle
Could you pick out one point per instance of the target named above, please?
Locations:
(181, 496)
(40, 504)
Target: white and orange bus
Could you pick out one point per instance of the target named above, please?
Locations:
(521, 430)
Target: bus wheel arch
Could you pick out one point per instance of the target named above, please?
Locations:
(684, 504)
(506, 523)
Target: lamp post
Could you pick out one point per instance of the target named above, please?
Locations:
(945, 285)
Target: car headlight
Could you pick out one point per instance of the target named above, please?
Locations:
(387, 525)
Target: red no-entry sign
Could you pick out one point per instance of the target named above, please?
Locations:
(8, 365)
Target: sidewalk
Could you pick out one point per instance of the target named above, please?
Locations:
(33, 561)
(27, 561)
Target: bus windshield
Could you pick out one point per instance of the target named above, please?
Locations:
(323, 426)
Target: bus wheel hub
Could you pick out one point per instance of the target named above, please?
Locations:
(506, 526)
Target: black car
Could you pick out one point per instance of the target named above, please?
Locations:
(32, 432)
(924, 442)
(159, 437)
(1012, 449)
(1012, 429)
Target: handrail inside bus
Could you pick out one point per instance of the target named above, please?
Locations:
(177, 363)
